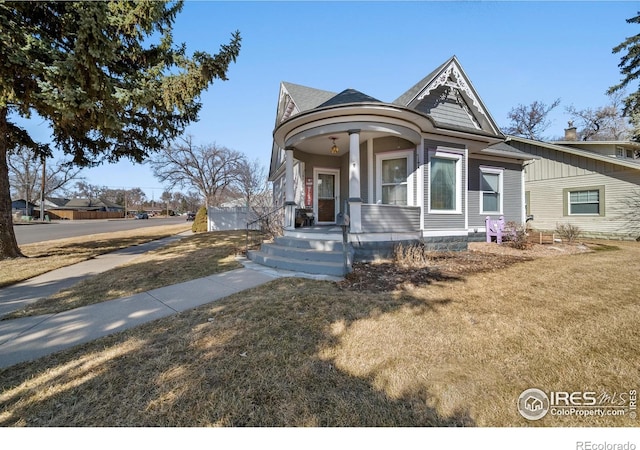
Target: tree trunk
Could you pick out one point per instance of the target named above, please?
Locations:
(8, 244)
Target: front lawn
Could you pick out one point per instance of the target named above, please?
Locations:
(452, 350)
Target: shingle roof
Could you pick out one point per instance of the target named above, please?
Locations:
(306, 98)
(579, 152)
(409, 95)
(504, 149)
(349, 96)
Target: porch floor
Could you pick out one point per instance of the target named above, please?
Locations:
(316, 232)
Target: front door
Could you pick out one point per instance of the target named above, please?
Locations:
(326, 201)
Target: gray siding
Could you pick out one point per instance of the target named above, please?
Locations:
(390, 218)
(444, 221)
(444, 106)
(511, 195)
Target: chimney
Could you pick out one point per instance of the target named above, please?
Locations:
(570, 133)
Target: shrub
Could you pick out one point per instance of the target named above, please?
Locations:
(413, 255)
(568, 232)
(515, 235)
(200, 222)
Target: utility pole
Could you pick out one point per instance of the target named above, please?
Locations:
(42, 186)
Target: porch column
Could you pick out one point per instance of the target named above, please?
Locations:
(355, 201)
(420, 186)
(289, 204)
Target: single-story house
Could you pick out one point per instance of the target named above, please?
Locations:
(88, 204)
(594, 185)
(86, 208)
(54, 202)
(430, 166)
(23, 206)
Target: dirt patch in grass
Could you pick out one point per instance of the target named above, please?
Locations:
(382, 276)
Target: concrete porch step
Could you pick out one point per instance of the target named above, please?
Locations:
(303, 254)
(322, 245)
(311, 254)
(297, 265)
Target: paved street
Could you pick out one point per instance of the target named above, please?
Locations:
(29, 234)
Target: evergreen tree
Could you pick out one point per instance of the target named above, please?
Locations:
(630, 70)
(107, 78)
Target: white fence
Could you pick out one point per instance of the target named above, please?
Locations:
(221, 219)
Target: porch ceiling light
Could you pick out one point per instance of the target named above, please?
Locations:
(334, 147)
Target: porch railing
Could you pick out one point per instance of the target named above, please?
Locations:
(269, 224)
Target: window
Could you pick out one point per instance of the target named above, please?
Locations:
(394, 181)
(393, 177)
(490, 190)
(584, 201)
(445, 183)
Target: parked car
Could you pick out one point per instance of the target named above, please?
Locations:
(191, 216)
(142, 216)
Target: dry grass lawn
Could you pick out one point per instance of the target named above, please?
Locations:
(454, 351)
(44, 257)
(187, 259)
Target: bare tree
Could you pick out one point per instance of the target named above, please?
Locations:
(83, 189)
(209, 169)
(603, 123)
(25, 175)
(134, 199)
(629, 212)
(252, 181)
(530, 121)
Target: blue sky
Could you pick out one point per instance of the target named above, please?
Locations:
(513, 52)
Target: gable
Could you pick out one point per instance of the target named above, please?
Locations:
(447, 96)
(295, 98)
(446, 106)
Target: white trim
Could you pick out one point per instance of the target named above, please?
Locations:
(458, 157)
(445, 233)
(398, 154)
(523, 198)
(371, 194)
(329, 171)
(465, 188)
(569, 203)
(495, 171)
(420, 180)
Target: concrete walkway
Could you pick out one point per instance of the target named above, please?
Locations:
(29, 338)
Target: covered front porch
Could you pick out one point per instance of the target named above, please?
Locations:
(356, 164)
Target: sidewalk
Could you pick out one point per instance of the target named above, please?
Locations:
(29, 338)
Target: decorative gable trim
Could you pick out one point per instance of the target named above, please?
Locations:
(453, 78)
(290, 108)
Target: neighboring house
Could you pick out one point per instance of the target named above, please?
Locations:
(54, 202)
(88, 204)
(594, 185)
(21, 205)
(429, 166)
(85, 208)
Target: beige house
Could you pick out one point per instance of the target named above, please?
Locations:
(589, 184)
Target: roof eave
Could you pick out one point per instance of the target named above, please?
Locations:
(576, 151)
